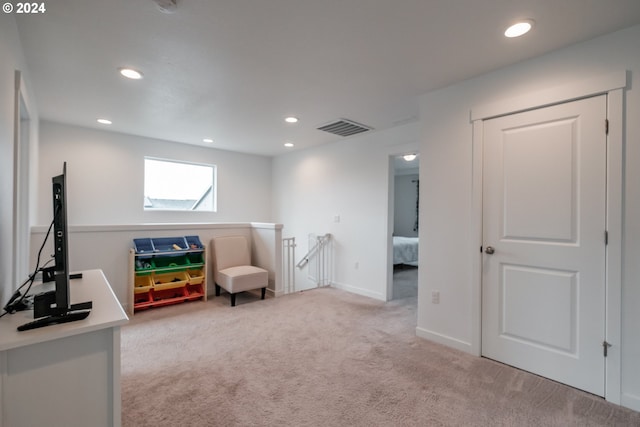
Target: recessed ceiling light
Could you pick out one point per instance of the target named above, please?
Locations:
(291, 119)
(519, 28)
(130, 73)
(288, 144)
(208, 140)
(104, 121)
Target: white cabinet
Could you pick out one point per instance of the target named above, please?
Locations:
(66, 374)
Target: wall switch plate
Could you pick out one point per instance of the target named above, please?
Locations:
(435, 297)
(336, 218)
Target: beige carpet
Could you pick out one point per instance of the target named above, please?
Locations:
(326, 358)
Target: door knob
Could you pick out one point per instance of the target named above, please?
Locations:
(489, 250)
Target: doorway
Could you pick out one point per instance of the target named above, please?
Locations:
(405, 226)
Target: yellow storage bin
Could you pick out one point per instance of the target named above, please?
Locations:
(170, 280)
(196, 277)
(142, 284)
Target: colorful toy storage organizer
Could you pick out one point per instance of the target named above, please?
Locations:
(167, 270)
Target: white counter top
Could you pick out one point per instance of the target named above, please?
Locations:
(93, 286)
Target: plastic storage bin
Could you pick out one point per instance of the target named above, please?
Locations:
(144, 263)
(174, 280)
(195, 258)
(166, 244)
(143, 246)
(193, 242)
(196, 276)
(171, 261)
(143, 284)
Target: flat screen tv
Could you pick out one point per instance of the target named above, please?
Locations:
(55, 306)
(60, 242)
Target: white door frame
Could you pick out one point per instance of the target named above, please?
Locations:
(391, 199)
(613, 85)
(21, 182)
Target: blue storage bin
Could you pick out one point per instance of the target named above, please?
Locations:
(193, 242)
(142, 246)
(165, 244)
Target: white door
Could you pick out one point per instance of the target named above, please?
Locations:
(543, 284)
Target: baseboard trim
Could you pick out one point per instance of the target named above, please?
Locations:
(359, 291)
(630, 401)
(274, 294)
(444, 340)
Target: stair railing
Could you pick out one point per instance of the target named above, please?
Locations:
(320, 242)
(288, 269)
(320, 251)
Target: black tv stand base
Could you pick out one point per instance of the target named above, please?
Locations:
(70, 316)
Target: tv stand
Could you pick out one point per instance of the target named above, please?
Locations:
(55, 319)
(66, 374)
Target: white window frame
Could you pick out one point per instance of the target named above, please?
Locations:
(214, 188)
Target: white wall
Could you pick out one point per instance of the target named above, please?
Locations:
(11, 59)
(106, 178)
(349, 179)
(107, 248)
(446, 178)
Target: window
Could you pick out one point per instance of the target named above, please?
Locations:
(179, 186)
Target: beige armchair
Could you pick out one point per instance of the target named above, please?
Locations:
(232, 269)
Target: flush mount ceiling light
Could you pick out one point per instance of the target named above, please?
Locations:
(130, 73)
(104, 121)
(409, 157)
(207, 140)
(288, 144)
(520, 28)
(291, 119)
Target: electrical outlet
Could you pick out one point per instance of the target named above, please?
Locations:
(336, 218)
(435, 297)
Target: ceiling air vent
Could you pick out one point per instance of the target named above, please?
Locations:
(344, 127)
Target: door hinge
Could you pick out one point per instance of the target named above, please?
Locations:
(605, 346)
(606, 237)
(480, 249)
(606, 126)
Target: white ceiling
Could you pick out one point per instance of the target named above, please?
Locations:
(233, 69)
